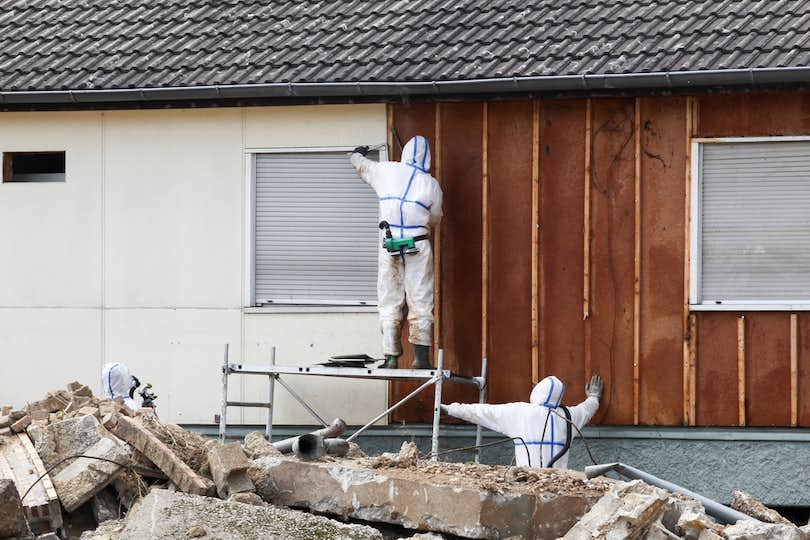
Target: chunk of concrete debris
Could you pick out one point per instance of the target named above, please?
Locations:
(229, 467)
(625, 511)
(159, 454)
(756, 530)
(407, 457)
(21, 425)
(81, 390)
(745, 503)
(109, 530)
(257, 446)
(105, 505)
(440, 497)
(166, 515)
(84, 477)
(5, 421)
(12, 518)
(247, 498)
(16, 414)
(70, 437)
(692, 524)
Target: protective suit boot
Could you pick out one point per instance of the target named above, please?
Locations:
(390, 362)
(421, 357)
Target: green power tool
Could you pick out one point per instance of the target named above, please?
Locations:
(400, 246)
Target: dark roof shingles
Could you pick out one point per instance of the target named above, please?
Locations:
(86, 44)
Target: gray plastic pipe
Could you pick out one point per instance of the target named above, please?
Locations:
(718, 511)
(335, 429)
(312, 446)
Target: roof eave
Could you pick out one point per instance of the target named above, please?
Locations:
(554, 83)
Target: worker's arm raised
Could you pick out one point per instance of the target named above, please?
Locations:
(498, 418)
(365, 167)
(581, 414)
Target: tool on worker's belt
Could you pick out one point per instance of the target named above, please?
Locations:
(147, 396)
(400, 246)
(350, 360)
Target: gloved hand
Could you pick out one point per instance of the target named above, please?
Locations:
(362, 150)
(444, 409)
(595, 387)
(133, 386)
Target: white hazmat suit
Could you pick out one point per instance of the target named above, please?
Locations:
(411, 202)
(528, 421)
(117, 381)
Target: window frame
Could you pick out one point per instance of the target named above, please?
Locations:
(695, 245)
(249, 286)
(6, 178)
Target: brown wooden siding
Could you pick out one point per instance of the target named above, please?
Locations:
(612, 210)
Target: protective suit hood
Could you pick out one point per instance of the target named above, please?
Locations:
(116, 381)
(417, 153)
(548, 392)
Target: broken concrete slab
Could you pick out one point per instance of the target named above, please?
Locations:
(466, 500)
(626, 511)
(69, 437)
(158, 453)
(12, 517)
(5, 421)
(745, 503)
(20, 463)
(21, 425)
(256, 446)
(757, 530)
(229, 466)
(84, 477)
(692, 524)
(105, 505)
(167, 515)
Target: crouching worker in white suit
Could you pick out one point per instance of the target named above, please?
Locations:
(543, 423)
(117, 381)
(410, 203)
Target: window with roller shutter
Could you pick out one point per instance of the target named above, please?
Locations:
(315, 230)
(750, 245)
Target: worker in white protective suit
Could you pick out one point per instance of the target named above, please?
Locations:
(540, 428)
(410, 203)
(116, 381)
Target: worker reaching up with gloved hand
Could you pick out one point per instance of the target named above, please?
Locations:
(410, 203)
(543, 424)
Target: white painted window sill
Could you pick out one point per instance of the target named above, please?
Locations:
(309, 309)
(750, 306)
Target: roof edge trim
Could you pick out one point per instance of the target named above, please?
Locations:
(551, 83)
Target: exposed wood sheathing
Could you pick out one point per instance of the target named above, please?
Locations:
(549, 275)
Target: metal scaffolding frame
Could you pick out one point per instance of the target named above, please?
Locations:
(431, 377)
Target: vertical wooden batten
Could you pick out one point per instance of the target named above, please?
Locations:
(688, 371)
(741, 369)
(794, 369)
(484, 232)
(535, 239)
(692, 351)
(586, 244)
(437, 242)
(637, 259)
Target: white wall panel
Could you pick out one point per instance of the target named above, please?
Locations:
(315, 125)
(174, 203)
(304, 339)
(44, 349)
(51, 240)
(180, 352)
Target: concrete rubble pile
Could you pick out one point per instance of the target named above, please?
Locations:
(137, 477)
(74, 465)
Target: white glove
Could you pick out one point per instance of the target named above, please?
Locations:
(444, 408)
(595, 387)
